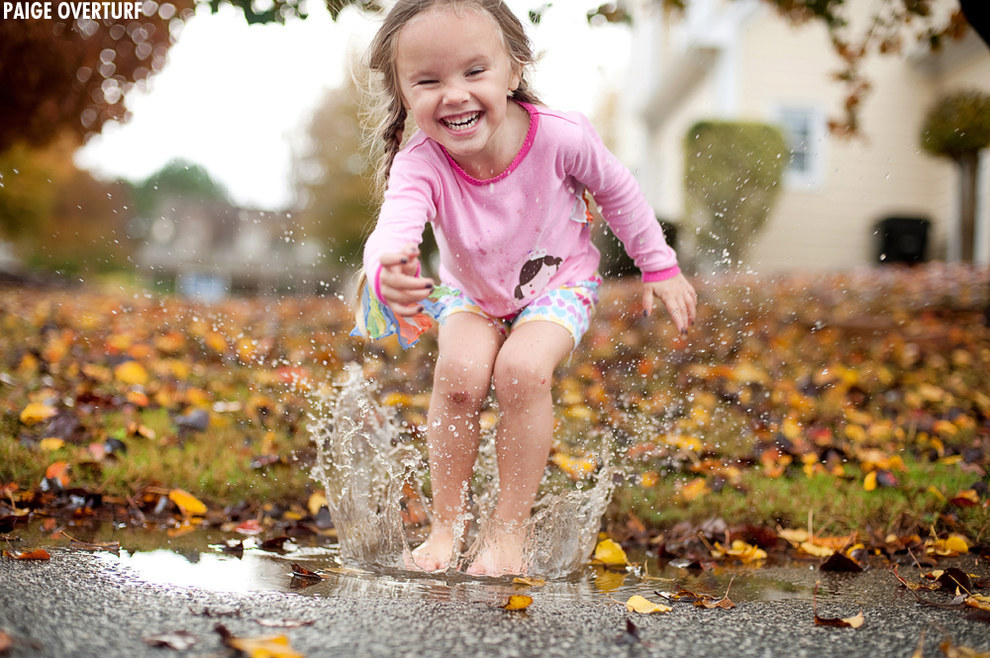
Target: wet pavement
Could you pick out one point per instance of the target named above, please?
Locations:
(101, 604)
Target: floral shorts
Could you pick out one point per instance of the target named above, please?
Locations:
(570, 306)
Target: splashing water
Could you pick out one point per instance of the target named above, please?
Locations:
(362, 467)
(363, 462)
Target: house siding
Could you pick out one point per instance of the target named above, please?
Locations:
(881, 173)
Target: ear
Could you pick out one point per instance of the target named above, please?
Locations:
(515, 78)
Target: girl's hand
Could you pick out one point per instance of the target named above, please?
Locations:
(677, 295)
(401, 285)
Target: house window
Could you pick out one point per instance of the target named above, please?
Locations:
(804, 129)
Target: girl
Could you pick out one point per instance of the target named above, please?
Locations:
(502, 180)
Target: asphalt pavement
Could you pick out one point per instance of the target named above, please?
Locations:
(79, 604)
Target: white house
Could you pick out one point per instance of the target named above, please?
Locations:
(738, 60)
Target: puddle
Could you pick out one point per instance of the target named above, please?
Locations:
(260, 571)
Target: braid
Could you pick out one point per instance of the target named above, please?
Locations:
(392, 136)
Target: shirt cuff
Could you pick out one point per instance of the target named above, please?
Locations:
(661, 275)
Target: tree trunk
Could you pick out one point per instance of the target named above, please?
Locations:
(967, 205)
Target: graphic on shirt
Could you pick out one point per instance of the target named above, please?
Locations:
(536, 273)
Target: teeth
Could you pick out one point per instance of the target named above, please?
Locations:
(463, 124)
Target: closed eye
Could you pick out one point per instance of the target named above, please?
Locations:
(474, 72)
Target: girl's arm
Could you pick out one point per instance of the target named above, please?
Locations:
(677, 295)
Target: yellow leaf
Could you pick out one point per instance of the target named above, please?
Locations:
(188, 504)
(694, 489)
(870, 481)
(315, 502)
(610, 554)
(273, 646)
(643, 606)
(954, 544)
(978, 601)
(741, 550)
(577, 468)
(50, 444)
(131, 373)
(518, 602)
(816, 549)
(37, 412)
(529, 582)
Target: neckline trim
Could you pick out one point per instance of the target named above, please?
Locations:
(526, 146)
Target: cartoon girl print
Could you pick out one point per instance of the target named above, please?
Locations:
(536, 273)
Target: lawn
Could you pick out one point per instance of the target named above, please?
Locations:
(860, 400)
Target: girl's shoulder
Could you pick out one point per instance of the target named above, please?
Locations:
(559, 126)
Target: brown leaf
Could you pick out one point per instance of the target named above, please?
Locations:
(841, 563)
(953, 579)
(302, 572)
(36, 554)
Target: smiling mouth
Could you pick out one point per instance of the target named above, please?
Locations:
(463, 122)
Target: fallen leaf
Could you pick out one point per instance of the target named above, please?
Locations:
(529, 582)
(51, 444)
(268, 646)
(299, 571)
(643, 606)
(577, 468)
(951, 650)
(131, 373)
(36, 554)
(177, 640)
(517, 602)
(839, 562)
(36, 412)
(249, 527)
(188, 504)
(845, 622)
(953, 579)
(954, 544)
(609, 553)
(978, 601)
(5, 642)
(739, 550)
(58, 471)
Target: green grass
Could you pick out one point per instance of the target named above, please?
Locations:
(839, 505)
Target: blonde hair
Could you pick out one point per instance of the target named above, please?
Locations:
(385, 116)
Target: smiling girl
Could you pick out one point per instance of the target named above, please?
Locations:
(498, 176)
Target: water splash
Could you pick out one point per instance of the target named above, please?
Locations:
(363, 462)
(362, 466)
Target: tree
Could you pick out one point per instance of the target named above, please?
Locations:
(331, 176)
(732, 176)
(180, 179)
(958, 127)
(71, 76)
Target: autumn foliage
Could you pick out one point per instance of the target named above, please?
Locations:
(860, 399)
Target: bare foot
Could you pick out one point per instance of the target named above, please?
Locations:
(501, 554)
(436, 553)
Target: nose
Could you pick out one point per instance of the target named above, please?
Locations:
(454, 94)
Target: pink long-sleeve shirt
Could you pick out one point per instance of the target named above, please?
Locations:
(505, 239)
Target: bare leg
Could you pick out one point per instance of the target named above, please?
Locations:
(467, 347)
(523, 378)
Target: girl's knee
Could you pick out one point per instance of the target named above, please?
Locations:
(519, 378)
(463, 385)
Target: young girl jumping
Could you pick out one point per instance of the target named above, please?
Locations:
(502, 180)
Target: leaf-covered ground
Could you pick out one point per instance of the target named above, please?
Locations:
(857, 403)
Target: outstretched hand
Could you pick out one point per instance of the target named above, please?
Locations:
(400, 282)
(677, 295)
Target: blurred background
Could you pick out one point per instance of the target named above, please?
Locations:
(214, 148)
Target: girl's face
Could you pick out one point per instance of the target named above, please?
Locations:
(454, 75)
